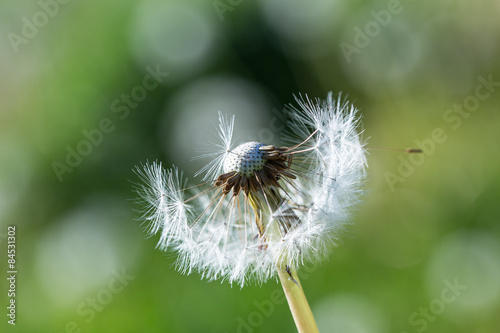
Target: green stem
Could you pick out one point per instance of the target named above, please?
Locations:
(297, 301)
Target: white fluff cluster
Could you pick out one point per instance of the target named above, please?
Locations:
(216, 235)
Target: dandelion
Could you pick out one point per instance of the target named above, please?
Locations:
(263, 211)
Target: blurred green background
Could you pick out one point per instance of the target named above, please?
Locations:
(76, 79)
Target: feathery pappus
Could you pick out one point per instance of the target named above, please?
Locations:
(260, 206)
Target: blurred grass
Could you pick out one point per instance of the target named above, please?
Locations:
(65, 79)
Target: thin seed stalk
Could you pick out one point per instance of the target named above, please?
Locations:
(297, 301)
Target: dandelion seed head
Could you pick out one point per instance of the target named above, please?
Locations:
(261, 206)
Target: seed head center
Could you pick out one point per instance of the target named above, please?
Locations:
(245, 159)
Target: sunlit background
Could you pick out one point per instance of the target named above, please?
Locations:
(89, 89)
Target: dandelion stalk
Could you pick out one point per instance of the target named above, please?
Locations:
(297, 301)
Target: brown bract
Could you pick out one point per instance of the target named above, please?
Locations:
(277, 165)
